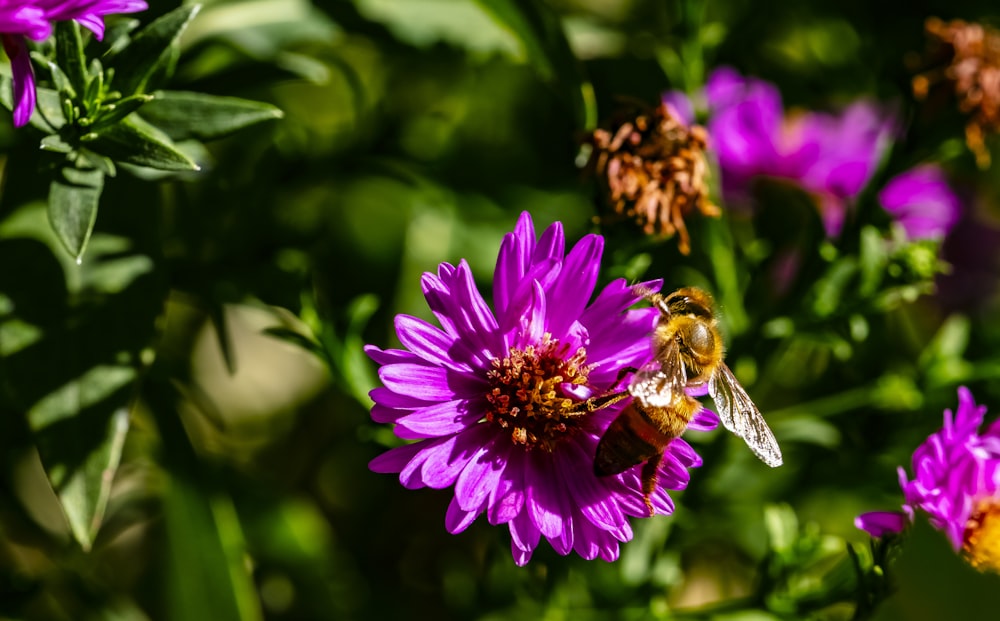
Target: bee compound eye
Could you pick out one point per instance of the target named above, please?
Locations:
(700, 338)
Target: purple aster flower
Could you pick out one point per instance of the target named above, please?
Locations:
(33, 19)
(921, 200)
(956, 483)
(491, 398)
(830, 156)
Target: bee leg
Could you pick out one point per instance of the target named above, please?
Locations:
(623, 373)
(649, 478)
(596, 403)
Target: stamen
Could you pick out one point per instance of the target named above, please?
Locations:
(527, 392)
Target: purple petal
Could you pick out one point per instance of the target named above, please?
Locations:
(575, 284)
(532, 326)
(704, 420)
(23, 78)
(541, 274)
(394, 460)
(922, 201)
(551, 245)
(436, 420)
(391, 356)
(507, 497)
(445, 462)
(512, 261)
(586, 492)
(457, 519)
(881, 523)
(93, 23)
(411, 475)
(543, 502)
(394, 400)
(431, 343)
(524, 538)
(430, 383)
(481, 476)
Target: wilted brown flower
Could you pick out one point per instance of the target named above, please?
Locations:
(653, 170)
(971, 53)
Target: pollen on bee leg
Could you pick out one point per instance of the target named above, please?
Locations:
(982, 537)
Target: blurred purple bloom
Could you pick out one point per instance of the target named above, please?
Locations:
(922, 201)
(830, 156)
(34, 19)
(956, 483)
(488, 397)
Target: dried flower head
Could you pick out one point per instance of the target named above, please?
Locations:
(654, 171)
(971, 53)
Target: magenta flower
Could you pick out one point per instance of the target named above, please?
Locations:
(956, 484)
(34, 19)
(489, 397)
(830, 156)
(921, 200)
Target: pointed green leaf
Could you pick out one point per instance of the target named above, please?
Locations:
(115, 112)
(184, 115)
(55, 143)
(545, 45)
(73, 198)
(134, 141)
(82, 479)
(150, 50)
(69, 53)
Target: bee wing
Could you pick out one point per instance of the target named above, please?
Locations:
(741, 416)
(657, 383)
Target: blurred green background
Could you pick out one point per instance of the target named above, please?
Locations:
(219, 317)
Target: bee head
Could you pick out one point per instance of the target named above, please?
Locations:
(689, 301)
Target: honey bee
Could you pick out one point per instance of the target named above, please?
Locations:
(687, 352)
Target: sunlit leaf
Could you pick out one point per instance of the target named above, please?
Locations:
(133, 141)
(150, 50)
(73, 198)
(185, 115)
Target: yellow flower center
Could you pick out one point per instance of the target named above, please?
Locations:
(982, 537)
(527, 395)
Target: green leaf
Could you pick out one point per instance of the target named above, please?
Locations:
(208, 577)
(115, 112)
(150, 50)
(73, 198)
(873, 259)
(545, 45)
(81, 446)
(69, 54)
(184, 115)
(134, 141)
